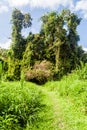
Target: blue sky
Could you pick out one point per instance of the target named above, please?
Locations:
(37, 8)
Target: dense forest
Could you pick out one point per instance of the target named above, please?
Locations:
(43, 77)
(48, 55)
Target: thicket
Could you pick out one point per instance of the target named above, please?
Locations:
(41, 73)
(56, 44)
(20, 106)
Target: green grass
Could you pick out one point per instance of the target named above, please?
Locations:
(19, 107)
(71, 94)
(57, 105)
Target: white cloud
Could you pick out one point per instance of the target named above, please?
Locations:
(18, 3)
(3, 8)
(40, 3)
(50, 3)
(6, 45)
(82, 6)
(85, 49)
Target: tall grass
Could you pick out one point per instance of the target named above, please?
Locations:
(56, 105)
(19, 107)
(22, 79)
(72, 97)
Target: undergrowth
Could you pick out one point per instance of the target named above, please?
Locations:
(19, 107)
(57, 105)
(71, 92)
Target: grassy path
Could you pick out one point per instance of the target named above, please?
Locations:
(54, 110)
(63, 112)
(58, 121)
(60, 112)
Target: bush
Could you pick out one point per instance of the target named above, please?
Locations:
(41, 73)
(10, 77)
(82, 71)
(14, 70)
(19, 107)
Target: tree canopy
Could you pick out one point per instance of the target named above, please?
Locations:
(56, 44)
(19, 20)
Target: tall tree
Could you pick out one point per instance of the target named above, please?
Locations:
(34, 49)
(19, 20)
(61, 37)
(69, 51)
(55, 34)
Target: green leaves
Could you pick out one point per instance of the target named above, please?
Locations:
(19, 107)
(27, 20)
(1, 69)
(19, 20)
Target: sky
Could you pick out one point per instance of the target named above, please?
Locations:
(37, 8)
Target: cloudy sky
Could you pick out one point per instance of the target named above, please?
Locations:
(37, 8)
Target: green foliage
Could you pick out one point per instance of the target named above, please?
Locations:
(19, 20)
(14, 70)
(71, 94)
(3, 53)
(22, 79)
(35, 50)
(55, 34)
(26, 62)
(1, 70)
(22, 108)
(19, 107)
(17, 70)
(41, 73)
(82, 71)
(61, 37)
(56, 43)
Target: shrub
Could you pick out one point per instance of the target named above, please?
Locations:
(82, 71)
(14, 70)
(41, 73)
(19, 107)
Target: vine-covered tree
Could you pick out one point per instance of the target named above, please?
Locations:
(35, 49)
(61, 37)
(69, 50)
(56, 43)
(19, 20)
(55, 35)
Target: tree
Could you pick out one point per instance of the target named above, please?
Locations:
(55, 34)
(15, 55)
(26, 62)
(35, 49)
(69, 50)
(61, 38)
(19, 20)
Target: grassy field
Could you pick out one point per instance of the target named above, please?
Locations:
(57, 105)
